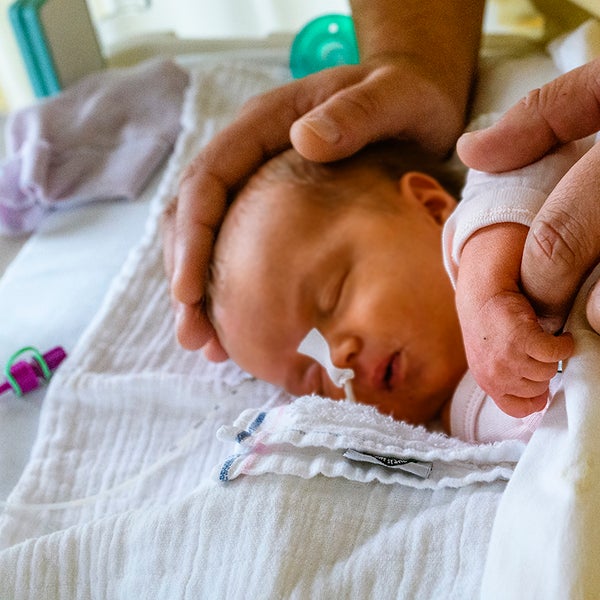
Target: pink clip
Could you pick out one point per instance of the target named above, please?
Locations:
(23, 376)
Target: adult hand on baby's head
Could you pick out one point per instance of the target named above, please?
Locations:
(511, 357)
(331, 115)
(563, 243)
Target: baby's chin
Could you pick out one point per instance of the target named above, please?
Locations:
(422, 413)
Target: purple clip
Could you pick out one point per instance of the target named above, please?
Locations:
(23, 376)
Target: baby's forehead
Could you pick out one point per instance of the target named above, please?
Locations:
(283, 202)
(264, 218)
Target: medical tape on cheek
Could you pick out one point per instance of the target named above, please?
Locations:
(315, 345)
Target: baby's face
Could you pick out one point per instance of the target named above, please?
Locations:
(369, 277)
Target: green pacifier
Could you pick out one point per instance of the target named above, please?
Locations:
(326, 41)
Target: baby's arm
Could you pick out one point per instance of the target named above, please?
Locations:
(511, 356)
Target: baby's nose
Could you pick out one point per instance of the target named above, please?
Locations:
(316, 345)
(344, 350)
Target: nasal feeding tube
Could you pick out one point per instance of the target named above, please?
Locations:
(315, 345)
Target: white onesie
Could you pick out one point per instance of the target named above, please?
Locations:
(474, 417)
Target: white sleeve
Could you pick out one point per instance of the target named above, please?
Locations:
(511, 197)
(475, 418)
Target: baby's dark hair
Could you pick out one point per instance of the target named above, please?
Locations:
(392, 158)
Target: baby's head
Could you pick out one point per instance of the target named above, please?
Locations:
(352, 248)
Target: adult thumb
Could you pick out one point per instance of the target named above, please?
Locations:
(372, 109)
(563, 244)
(566, 109)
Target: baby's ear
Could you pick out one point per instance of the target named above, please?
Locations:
(430, 193)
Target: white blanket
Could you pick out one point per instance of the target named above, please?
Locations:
(146, 502)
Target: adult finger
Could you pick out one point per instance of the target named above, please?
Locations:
(192, 327)
(593, 307)
(566, 109)
(214, 352)
(167, 230)
(360, 103)
(563, 244)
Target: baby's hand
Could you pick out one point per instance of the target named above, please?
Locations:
(511, 357)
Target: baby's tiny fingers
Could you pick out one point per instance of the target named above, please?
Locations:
(518, 407)
(548, 348)
(535, 370)
(525, 388)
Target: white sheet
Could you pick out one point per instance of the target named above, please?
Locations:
(48, 295)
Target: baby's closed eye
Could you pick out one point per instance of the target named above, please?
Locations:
(331, 293)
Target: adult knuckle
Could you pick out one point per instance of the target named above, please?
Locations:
(589, 79)
(569, 101)
(359, 103)
(190, 172)
(593, 79)
(254, 104)
(541, 105)
(531, 100)
(560, 237)
(552, 95)
(536, 101)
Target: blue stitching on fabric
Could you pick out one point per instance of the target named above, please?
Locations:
(242, 435)
(224, 473)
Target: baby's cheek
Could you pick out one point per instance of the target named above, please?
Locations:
(386, 406)
(337, 394)
(393, 407)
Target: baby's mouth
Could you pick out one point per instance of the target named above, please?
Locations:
(386, 375)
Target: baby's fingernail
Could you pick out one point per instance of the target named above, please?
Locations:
(323, 128)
